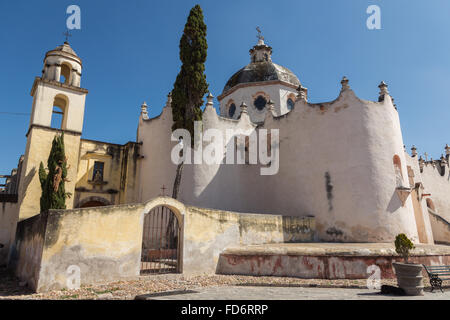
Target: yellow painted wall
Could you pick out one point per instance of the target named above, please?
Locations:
(105, 242)
(38, 148)
(119, 173)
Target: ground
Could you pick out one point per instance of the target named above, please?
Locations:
(278, 292)
(208, 287)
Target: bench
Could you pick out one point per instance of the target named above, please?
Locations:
(437, 274)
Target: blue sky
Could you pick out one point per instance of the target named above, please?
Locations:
(130, 55)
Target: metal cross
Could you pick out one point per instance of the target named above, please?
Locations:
(163, 189)
(426, 156)
(67, 34)
(259, 36)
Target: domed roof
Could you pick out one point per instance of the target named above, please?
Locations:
(64, 50)
(262, 71)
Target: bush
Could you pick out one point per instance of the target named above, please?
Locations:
(403, 245)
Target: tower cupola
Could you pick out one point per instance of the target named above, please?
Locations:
(63, 65)
(261, 52)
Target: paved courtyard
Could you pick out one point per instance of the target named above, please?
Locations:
(209, 287)
(285, 293)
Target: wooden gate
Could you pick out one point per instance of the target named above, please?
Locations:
(161, 242)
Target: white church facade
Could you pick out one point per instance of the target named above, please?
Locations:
(342, 162)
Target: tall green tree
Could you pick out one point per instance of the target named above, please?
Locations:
(190, 85)
(52, 183)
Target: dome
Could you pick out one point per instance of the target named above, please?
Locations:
(261, 68)
(262, 71)
(64, 50)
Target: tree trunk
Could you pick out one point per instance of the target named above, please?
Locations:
(170, 231)
(177, 182)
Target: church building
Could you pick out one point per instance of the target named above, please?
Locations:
(342, 162)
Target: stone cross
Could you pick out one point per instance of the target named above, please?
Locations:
(259, 36)
(67, 34)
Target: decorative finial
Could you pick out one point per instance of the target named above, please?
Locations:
(243, 108)
(413, 151)
(209, 100)
(302, 93)
(144, 110)
(259, 36)
(421, 163)
(383, 91)
(169, 100)
(344, 83)
(447, 150)
(67, 35)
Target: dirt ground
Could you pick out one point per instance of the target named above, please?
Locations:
(12, 288)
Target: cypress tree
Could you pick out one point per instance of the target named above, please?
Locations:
(52, 183)
(190, 85)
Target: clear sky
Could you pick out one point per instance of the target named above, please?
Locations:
(130, 55)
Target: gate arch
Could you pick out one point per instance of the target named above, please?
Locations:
(161, 241)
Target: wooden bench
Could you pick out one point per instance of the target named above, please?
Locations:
(437, 274)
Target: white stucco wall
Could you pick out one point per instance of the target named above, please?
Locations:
(278, 93)
(43, 102)
(155, 169)
(439, 187)
(352, 140)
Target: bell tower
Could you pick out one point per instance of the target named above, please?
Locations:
(58, 107)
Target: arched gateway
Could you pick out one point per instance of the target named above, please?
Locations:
(161, 241)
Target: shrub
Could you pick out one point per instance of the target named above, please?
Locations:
(403, 245)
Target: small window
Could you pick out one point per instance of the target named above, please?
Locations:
(290, 104)
(98, 171)
(232, 110)
(260, 103)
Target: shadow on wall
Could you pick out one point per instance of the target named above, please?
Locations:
(394, 204)
(234, 187)
(26, 182)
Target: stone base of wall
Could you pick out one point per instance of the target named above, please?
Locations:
(323, 260)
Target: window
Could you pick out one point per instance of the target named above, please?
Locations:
(65, 74)
(98, 171)
(232, 110)
(260, 103)
(290, 104)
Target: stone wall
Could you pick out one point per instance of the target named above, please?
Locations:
(27, 251)
(8, 220)
(208, 232)
(104, 243)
